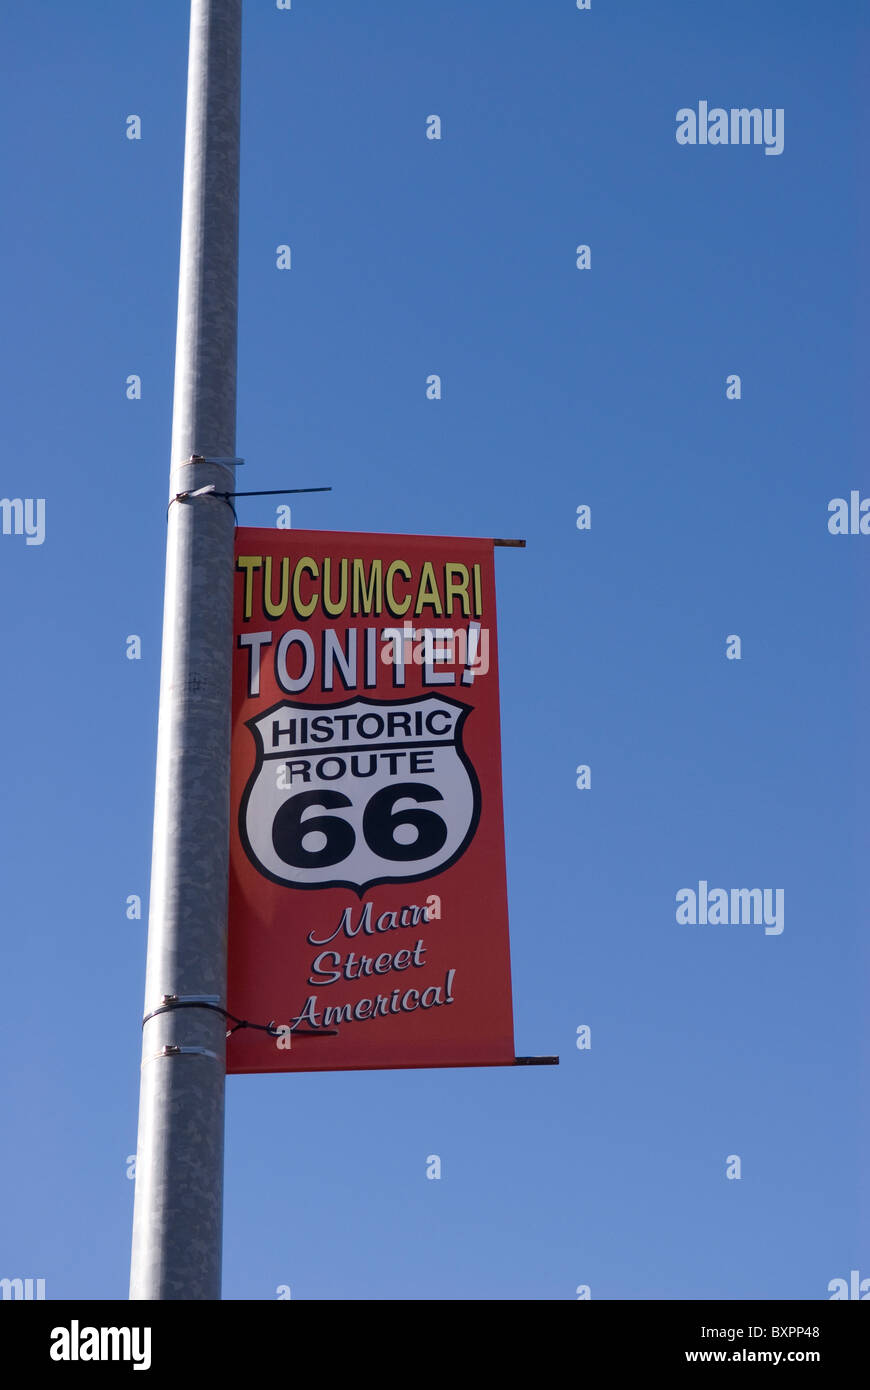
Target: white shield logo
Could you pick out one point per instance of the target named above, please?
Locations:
(361, 792)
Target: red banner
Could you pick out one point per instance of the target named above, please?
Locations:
(368, 905)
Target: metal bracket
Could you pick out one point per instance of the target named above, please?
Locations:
(175, 1050)
(169, 1002)
(190, 999)
(198, 458)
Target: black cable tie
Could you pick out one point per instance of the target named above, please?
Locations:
(208, 491)
(172, 1003)
(274, 492)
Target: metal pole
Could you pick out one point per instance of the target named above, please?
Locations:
(179, 1166)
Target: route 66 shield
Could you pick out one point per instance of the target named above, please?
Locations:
(360, 792)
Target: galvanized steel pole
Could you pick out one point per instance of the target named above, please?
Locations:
(179, 1164)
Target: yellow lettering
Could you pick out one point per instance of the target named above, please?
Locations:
(334, 606)
(249, 563)
(427, 594)
(364, 599)
(392, 602)
(304, 609)
(273, 609)
(453, 586)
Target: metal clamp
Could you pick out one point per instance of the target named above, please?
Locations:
(190, 999)
(175, 1050)
(170, 1002)
(199, 458)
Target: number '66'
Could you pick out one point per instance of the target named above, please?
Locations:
(379, 825)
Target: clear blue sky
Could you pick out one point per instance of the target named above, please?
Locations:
(560, 387)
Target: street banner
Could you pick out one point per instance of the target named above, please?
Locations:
(368, 906)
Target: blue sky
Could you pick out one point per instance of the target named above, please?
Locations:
(561, 387)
